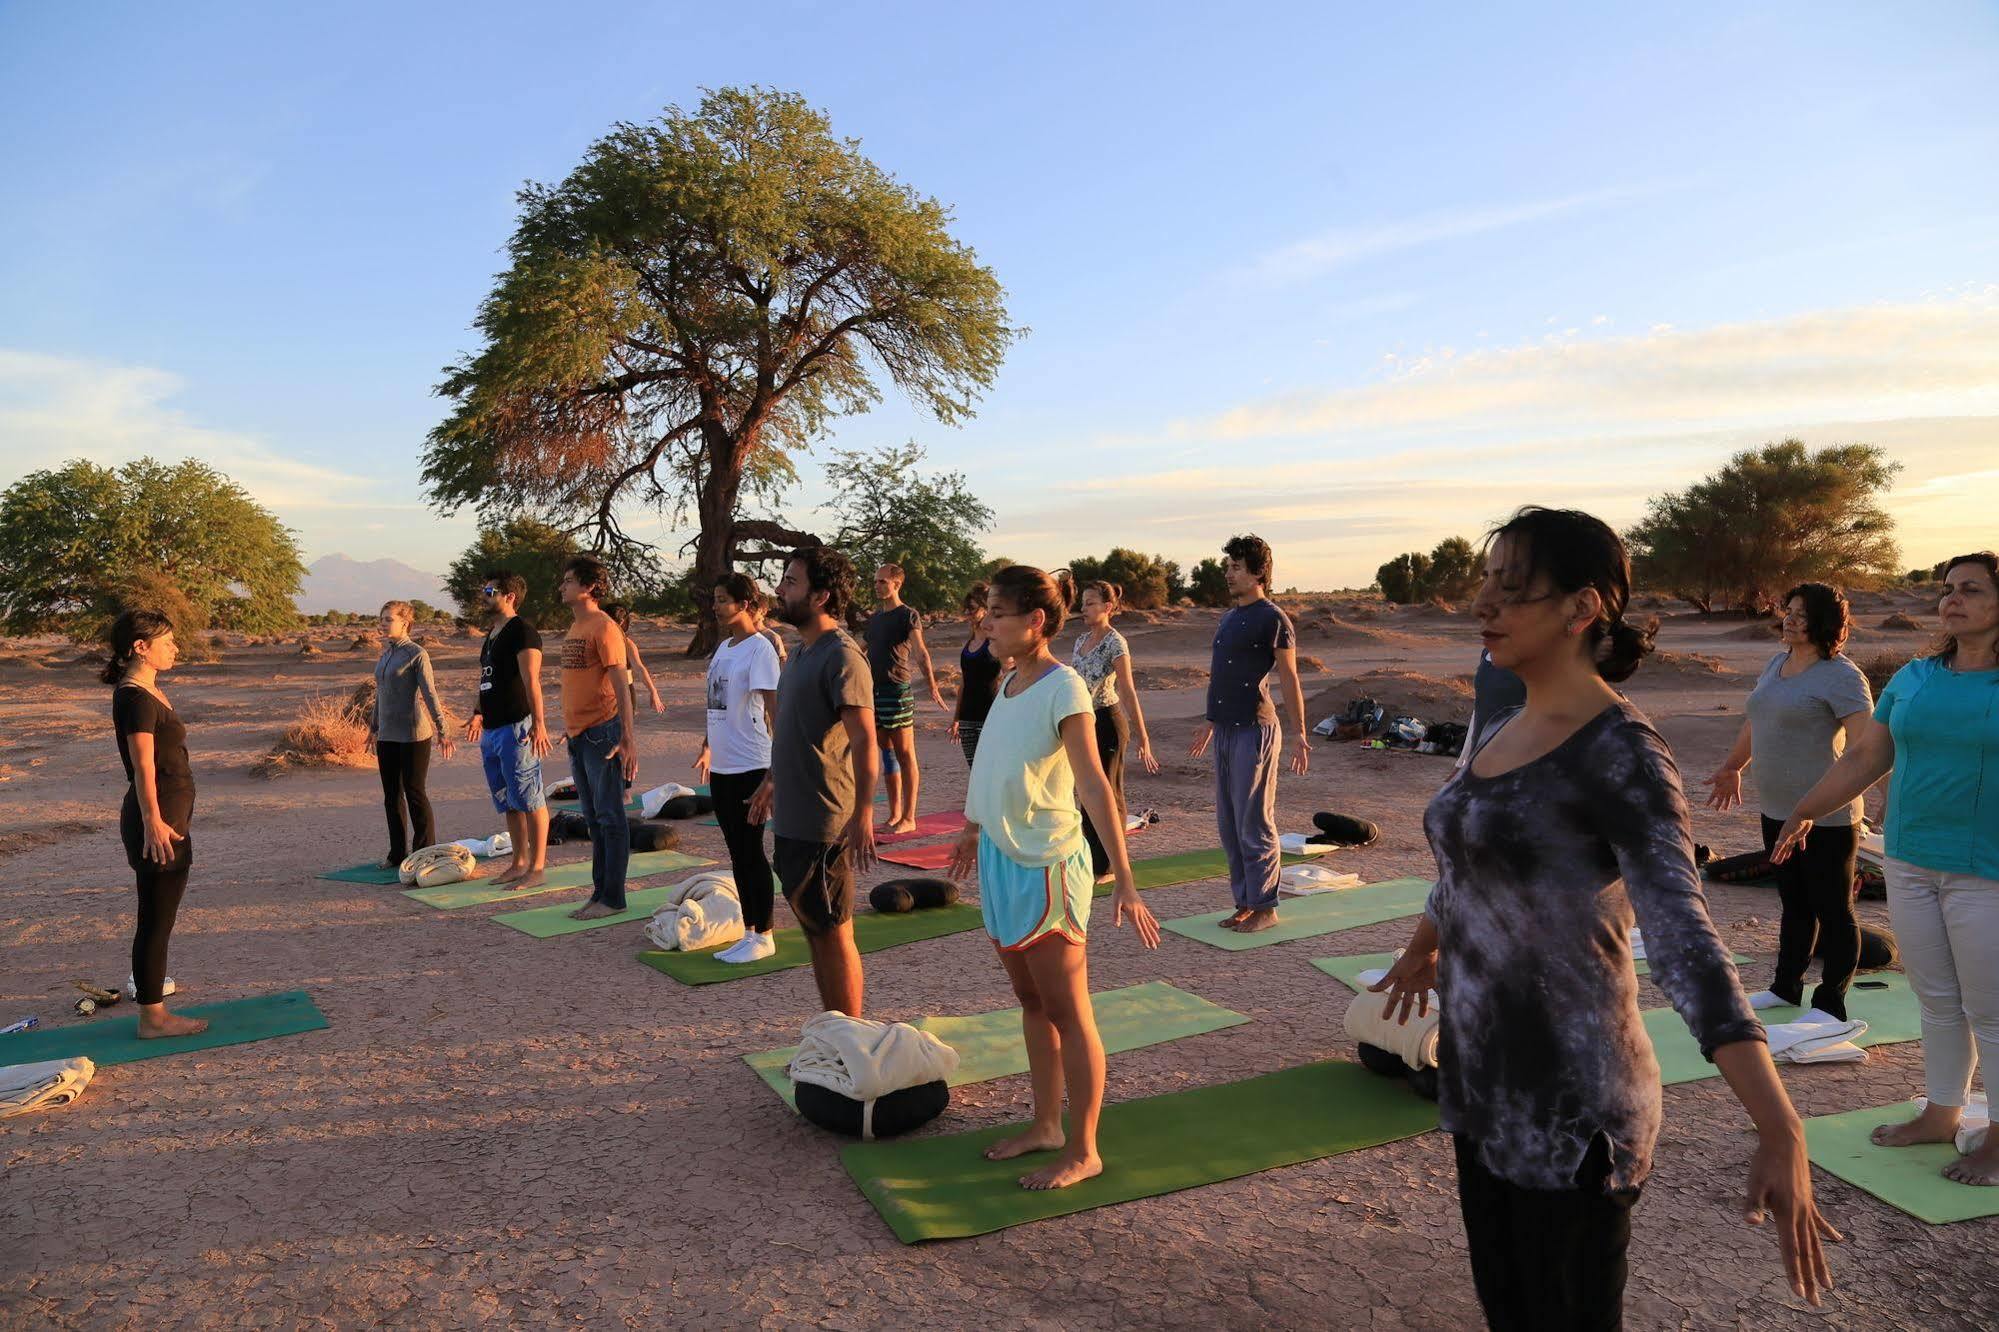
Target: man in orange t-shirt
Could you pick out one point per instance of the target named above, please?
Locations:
(597, 714)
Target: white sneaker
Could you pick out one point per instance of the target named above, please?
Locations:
(752, 947)
(1763, 999)
(132, 986)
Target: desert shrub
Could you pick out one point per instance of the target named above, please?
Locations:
(327, 733)
(1880, 667)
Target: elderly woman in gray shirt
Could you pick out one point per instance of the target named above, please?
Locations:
(1568, 822)
(406, 718)
(1799, 714)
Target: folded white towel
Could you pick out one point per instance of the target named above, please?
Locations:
(1816, 1038)
(1974, 1122)
(653, 801)
(25, 1087)
(1301, 844)
(867, 1060)
(701, 912)
(1305, 880)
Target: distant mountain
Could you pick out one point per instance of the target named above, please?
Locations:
(334, 582)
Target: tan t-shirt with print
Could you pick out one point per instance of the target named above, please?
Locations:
(593, 645)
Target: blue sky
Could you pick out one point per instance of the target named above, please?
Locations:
(1354, 279)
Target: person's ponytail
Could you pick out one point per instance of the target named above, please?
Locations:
(1621, 645)
(131, 628)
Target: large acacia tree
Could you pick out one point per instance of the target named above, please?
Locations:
(691, 306)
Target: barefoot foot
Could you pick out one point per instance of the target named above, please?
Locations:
(1036, 1139)
(592, 911)
(1069, 1168)
(1937, 1123)
(1979, 1167)
(1241, 914)
(510, 873)
(153, 1028)
(532, 879)
(1256, 922)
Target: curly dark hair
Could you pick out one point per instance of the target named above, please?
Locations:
(740, 588)
(1828, 619)
(1253, 552)
(828, 571)
(508, 584)
(591, 574)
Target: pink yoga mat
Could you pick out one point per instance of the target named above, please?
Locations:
(927, 825)
(921, 857)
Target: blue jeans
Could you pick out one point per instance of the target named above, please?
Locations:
(600, 791)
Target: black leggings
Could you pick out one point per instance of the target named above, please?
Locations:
(160, 889)
(1546, 1258)
(1816, 888)
(748, 861)
(405, 767)
(1112, 736)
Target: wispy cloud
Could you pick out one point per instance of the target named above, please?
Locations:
(1341, 246)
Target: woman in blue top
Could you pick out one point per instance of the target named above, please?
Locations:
(1937, 728)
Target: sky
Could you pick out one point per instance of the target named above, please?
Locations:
(1354, 277)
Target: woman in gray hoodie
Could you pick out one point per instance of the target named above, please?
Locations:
(400, 731)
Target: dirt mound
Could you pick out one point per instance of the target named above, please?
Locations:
(1755, 633)
(1401, 693)
(1326, 627)
(1901, 621)
(1687, 665)
(1309, 664)
(1170, 677)
(1434, 610)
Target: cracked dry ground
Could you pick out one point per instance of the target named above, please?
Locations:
(501, 1128)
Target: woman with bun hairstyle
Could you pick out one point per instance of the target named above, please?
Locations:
(1936, 727)
(1568, 821)
(1023, 835)
(159, 805)
(1801, 715)
(978, 675)
(1103, 659)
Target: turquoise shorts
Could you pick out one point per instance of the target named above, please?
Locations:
(1023, 905)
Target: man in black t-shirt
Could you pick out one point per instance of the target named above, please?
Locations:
(509, 728)
(895, 640)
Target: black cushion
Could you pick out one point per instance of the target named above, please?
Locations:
(897, 895)
(897, 1112)
(1345, 830)
(652, 836)
(1748, 867)
(566, 825)
(687, 807)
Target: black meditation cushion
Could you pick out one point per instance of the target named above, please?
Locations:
(687, 807)
(897, 1112)
(1345, 830)
(898, 895)
(652, 836)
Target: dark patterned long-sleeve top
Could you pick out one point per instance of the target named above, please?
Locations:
(1539, 873)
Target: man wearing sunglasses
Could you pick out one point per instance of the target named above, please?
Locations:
(509, 728)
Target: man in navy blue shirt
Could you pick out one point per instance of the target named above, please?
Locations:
(1253, 638)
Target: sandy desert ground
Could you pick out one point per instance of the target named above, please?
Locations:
(495, 1127)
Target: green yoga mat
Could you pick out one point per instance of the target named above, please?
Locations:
(1348, 969)
(370, 872)
(943, 1188)
(116, 1040)
(873, 931)
(1904, 1177)
(1880, 999)
(1308, 917)
(1187, 867)
(574, 874)
(549, 921)
(989, 1044)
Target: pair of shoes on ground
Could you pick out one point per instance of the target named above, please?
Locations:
(754, 946)
(132, 986)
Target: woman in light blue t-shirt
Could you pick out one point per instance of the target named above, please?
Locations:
(1937, 728)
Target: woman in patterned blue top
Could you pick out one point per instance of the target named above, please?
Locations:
(1568, 821)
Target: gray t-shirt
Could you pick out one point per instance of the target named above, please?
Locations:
(812, 777)
(1794, 734)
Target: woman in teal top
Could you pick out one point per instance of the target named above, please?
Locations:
(1936, 727)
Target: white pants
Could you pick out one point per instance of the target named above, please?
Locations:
(1947, 926)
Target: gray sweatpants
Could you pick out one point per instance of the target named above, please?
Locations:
(1246, 810)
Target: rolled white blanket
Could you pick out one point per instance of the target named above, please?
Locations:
(500, 843)
(867, 1060)
(53, 1082)
(653, 801)
(701, 912)
(1816, 1038)
(1415, 1040)
(435, 865)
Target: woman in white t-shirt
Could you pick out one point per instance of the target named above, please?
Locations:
(1024, 834)
(735, 755)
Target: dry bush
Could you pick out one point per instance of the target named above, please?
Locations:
(1309, 664)
(1880, 667)
(327, 733)
(1901, 621)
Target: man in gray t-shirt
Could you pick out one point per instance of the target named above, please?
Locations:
(822, 770)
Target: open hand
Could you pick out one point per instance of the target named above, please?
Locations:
(760, 802)
(1202, 735)
(160, 841)
(965, 854)
(1408, 984)
(1790, 839)
(860, 840)
(1725, 788)
(1145, 758)
(1301, 757)
(1125, 902)
(1780, 1187)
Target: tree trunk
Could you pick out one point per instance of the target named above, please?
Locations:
(716, 506)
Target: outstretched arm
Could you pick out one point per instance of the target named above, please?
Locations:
(1294, 703)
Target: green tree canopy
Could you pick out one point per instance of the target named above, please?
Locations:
(1769, 518)
(1149, 581)
(527, 546)
(74, 540)
(1210, 584)
(1451, 571)
(889, 511)
(693, 304)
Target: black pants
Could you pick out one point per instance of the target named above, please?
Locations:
(968, 739)
(731, 792)
(160, 889)
(405, 767)
(1112, 736)
(1815, 887)
(1547, 1260)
